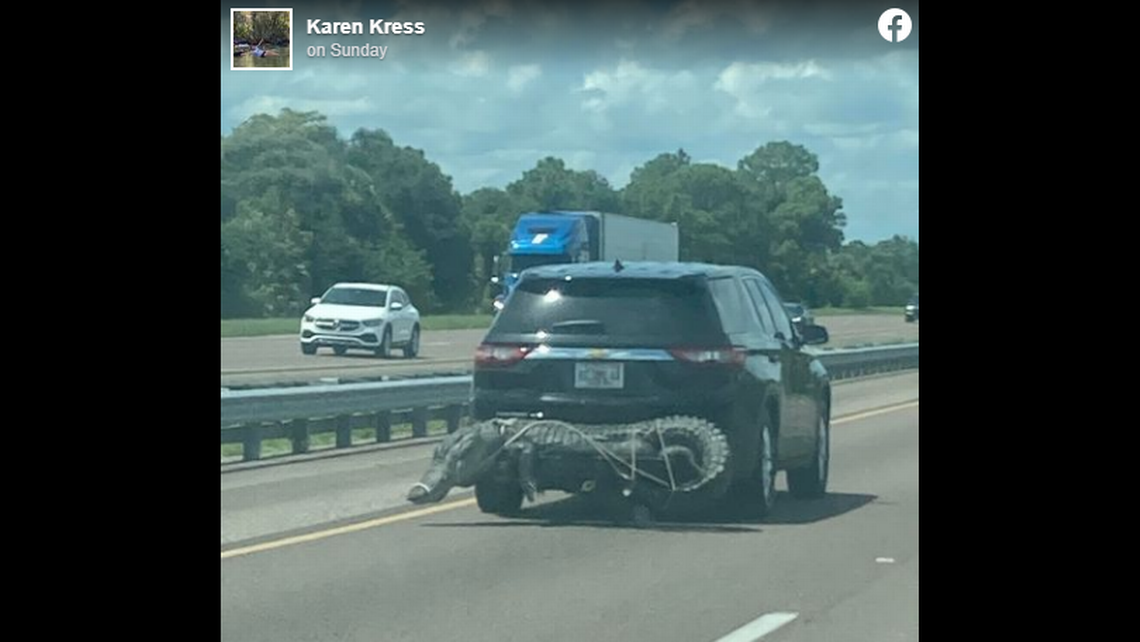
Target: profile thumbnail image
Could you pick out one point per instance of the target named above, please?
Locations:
(262, 38)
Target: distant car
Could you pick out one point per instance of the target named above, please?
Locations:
(362, 316)
(800, 315)
(912, 309)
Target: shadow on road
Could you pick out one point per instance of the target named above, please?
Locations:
(790, 510)
(727, 517)
(358, 355)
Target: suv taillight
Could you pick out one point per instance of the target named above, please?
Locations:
(728, 356)
(497, 355)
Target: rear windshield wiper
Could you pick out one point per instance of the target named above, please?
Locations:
(582, 326)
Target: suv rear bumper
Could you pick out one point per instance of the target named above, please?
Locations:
(488, 404)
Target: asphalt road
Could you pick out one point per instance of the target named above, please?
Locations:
(262, 360)
(328, 550)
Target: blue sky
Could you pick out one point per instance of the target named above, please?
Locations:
(492, 87)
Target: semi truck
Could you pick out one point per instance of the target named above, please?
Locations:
(562, 236)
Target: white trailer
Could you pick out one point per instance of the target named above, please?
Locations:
(636, 239)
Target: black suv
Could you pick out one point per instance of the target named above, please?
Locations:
(594, 343)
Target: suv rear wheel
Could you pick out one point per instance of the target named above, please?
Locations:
(758, 492)
(497, 497)
(412, 348)
(811, 480)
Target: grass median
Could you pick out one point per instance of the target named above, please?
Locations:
(290, 325)
(269, 327)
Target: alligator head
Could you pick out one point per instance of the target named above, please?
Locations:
(459, 460)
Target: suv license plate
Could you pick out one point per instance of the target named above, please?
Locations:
(605, 376)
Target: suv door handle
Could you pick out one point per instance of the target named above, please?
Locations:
(774, 358)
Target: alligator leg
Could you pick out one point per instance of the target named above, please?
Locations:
(526, 458)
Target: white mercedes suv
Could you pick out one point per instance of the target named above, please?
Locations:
(362, 316)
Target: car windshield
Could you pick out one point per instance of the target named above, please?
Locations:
(356, 296)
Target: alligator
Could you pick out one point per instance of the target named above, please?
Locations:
(651, 462)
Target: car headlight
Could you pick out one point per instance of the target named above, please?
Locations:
(308, 319)
(373, 323)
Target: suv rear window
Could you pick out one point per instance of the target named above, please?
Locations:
(627, 311)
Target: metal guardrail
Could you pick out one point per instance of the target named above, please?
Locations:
(297, 413)
(860, 362)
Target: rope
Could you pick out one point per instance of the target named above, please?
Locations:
(668, 464)
(609, 456)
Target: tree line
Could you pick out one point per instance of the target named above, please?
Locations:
(303, 208)
(254, 26)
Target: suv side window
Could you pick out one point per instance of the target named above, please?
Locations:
(753, 287)
(783, 324)
(736, 315)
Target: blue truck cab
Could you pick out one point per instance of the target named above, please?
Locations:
(548, 238)
(565, 236)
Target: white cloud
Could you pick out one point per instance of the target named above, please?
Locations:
(750, 86)
(475, 64)
(906, 137)
(902, 139)
(740, 77)
(520, 76)
(629, 81)
(841, 129)
(856, 143)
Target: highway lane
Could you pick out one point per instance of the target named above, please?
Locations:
(845, 565)
(261, 360)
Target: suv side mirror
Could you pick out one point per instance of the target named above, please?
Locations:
(396, 306)
(814, 335)
(315, 300)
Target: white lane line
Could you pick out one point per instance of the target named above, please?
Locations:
(759, 627)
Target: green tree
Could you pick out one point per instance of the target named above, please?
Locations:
(649, 188)
(885, 273)
(422, 199)
(720, 213)
(287, 175)
(489, 214)
(777, 163)
(270, 25)
(804, 222)
(268, 251)
(553, 186)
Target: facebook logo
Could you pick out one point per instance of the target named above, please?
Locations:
(894, 25)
